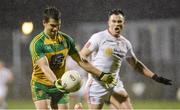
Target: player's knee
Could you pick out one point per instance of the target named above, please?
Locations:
(124, 98)
(121, 97)
(78, 106)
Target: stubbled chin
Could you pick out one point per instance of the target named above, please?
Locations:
(117, 31)
(115, 34)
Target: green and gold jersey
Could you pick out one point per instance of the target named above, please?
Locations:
(56, 52)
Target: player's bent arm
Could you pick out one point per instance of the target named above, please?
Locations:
(85, 52)
(44, 65)
(139, 66)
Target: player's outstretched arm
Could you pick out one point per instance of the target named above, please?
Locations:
(141, 68)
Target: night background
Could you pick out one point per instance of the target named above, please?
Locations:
(152, 26)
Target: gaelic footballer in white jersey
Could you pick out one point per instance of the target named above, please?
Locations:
(108, 54)
(111, 51)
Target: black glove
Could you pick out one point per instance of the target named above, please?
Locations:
(106, 77)
(161, 80)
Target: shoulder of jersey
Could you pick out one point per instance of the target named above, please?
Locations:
(66, 36)
(38, 37)
(125, 39)
(100, 33)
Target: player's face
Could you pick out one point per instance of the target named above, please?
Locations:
(52, 27)
(116, 24)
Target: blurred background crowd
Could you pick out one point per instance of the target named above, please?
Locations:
(153, 27)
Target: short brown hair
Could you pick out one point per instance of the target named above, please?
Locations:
(51, 12)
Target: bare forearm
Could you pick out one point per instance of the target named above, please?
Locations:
(140, 67)
(89, 67)
(102, 76)
(49, 73)
(44, 65)
(84, 63)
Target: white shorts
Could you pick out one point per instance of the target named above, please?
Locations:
(97, 93)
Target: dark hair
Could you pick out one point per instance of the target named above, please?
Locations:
(51, 12)
(116, 12)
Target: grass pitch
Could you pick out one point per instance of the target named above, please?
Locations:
(137, 104)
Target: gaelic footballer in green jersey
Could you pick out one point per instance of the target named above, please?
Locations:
(49, 51)
(56, 52)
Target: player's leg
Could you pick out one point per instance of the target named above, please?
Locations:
(112, 107)
(59, 105)
(54, 105)
(40, 96)
(3, 94)
(120, 100)
(60, 101)
(96, 94)
(95, 101)
(95, 106)
(78, 106)
(128, 104)
(3, 104)
(62, 106)
(119, 97)
(42, 104)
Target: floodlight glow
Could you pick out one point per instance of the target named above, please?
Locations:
(178, 94)
(27, 27)
(138, 88)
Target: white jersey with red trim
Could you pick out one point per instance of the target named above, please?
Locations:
(109, 51)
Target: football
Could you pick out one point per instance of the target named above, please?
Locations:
(71, 81)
